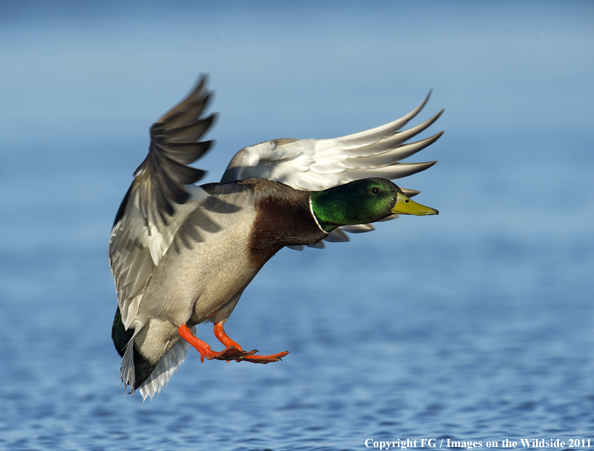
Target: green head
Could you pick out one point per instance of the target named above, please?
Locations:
(362, 202)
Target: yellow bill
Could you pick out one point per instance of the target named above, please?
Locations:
(406, 206)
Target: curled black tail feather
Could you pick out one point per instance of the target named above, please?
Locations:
(119, 334)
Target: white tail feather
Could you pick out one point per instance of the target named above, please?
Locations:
(162, 372)
(165, 369)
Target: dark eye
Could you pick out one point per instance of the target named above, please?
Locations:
(375, 190)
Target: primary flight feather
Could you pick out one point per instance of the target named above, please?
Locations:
(182, 254)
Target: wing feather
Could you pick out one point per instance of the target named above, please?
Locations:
(372, 135)
(159, 199)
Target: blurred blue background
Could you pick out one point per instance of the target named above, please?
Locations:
(474, 325)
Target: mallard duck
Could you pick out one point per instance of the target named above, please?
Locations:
(182, 254)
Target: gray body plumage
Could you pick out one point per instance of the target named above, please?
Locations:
(217, 251)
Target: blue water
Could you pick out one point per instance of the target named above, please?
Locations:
(476, 325)
(483, 340)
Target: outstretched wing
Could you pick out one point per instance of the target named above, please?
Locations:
(317, 164)
(158, 200)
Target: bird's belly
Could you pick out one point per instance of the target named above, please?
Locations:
(223, 283)
(202, 272)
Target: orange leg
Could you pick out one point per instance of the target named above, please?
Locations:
(202, 347)
(232, 351)
(221, 335)
(229, 353)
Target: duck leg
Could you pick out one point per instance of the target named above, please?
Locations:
(232, 351)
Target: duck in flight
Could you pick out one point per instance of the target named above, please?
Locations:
(182, 254)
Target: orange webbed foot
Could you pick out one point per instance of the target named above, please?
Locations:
(222, 336)
(266, 358)
(233, 351)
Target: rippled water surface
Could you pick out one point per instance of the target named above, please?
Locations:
(485, 340)
(476, 325)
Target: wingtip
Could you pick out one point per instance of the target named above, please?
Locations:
(202, 80)
(214, 117)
